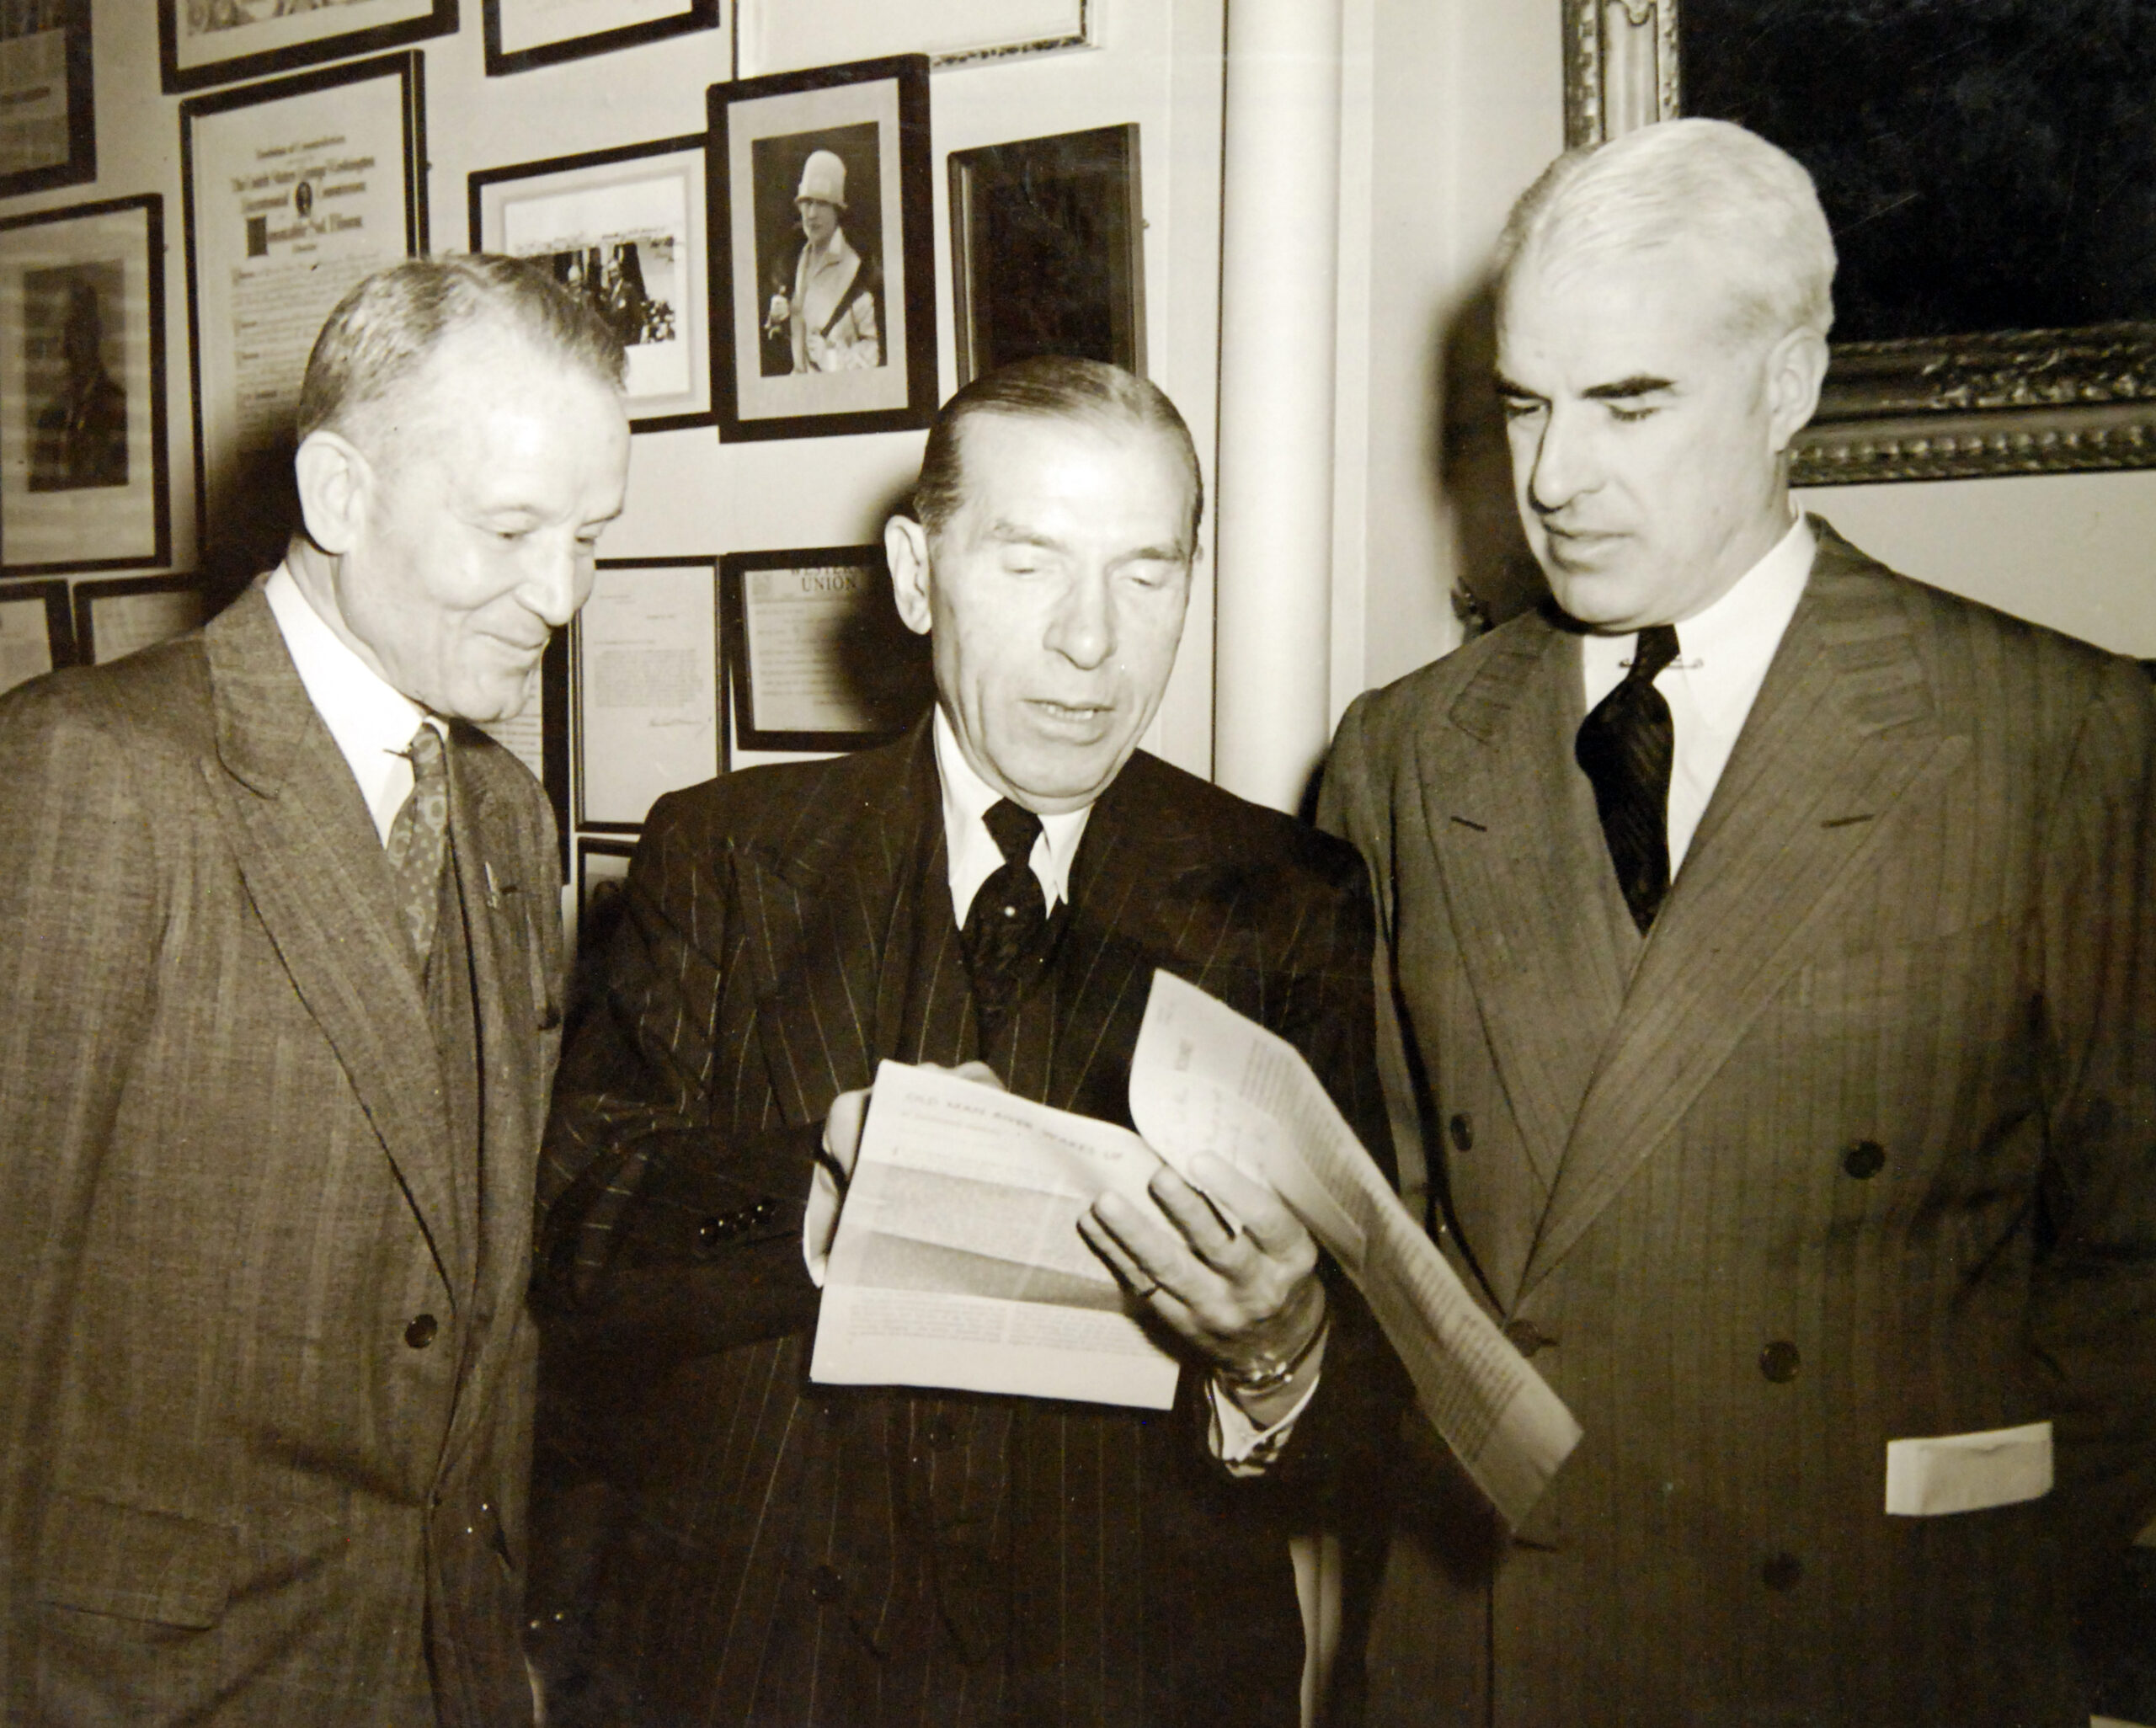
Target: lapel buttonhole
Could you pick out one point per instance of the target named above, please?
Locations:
(1846, 821)
(1464, 822)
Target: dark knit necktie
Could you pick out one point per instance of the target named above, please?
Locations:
(1627, 746)
(1004, 929)
(417, 839)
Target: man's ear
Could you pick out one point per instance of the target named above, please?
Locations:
(334, 480)
(1796, 367)
(905, 545)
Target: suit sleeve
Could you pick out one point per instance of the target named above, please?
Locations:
(2093, 1304)
(80, 917)
(638, 1184)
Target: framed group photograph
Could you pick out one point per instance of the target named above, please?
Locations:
(1047, 250)
(206, 42)
(34, 633)
(524, 33)
(83, 479)
(783, 36)
(1990, 177)
(48, 121)
(625, 228)
(115, 618)
(296, 189)
(817, 655)
(822, 286)
(647, 676)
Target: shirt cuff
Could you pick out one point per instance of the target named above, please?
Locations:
(1244, 1448)
(820, 1223)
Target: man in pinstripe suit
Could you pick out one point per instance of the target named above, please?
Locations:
(1773, 993)
(790, 1552)
(279, 955)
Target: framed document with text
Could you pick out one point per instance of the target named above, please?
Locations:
(296, 191)
(115, 619)
(625, 229)
(646, 670)
(35, 636)
(204, 42)
(83, 479)
(816, 652)
(48, 124)
(524, 33)
(539, 736)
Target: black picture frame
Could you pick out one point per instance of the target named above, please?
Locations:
(283, 45)
(873, 115)
(890, 670)
(588, 847)
(599, 179)
(695, 15)
(2006, 392)
(54, 148)
(59, 624)
(90, 520)
(591, 814)
(244, 515)
(1048, 250)
(90, 596)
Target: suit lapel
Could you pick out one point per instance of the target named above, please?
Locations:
(312, 862)
(1843, 728)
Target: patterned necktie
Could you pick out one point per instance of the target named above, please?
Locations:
(1003, 930)
(1627, 746)
(418, 837)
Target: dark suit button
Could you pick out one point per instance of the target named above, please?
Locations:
(1526, 1336)
(421, 1331)
(1864, 1159)
(1463, 1131)
(1781, 1571)
(1779, 1361)
(825, 1585)
(938, 1432)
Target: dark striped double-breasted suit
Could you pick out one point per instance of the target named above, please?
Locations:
(1860, 1144)
(265, 1202)
(792, 1553)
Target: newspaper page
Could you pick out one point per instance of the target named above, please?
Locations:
(958, 1263)
(1204, 1079)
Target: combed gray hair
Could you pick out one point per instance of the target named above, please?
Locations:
(383, 331)
(1752, 204)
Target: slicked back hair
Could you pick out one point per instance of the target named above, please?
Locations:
(1047, 388)
(1750, 205)
(383, 332)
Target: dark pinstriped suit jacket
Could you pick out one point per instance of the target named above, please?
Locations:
(799, 1554)
(1918, 914)
(231, 1490)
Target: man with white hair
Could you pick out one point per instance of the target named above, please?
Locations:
(1770, 954)
(829, 317)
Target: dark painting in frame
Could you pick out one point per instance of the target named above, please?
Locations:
(49, 137)
(816, 654)
(201, 43)
(50, 599)
(1048, 252)
(852, 347)
(510, 49)
(1957, 149)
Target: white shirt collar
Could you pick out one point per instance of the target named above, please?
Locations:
(372, 720)
(971, 852)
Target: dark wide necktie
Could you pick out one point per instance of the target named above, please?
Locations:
(1627, 747)
(418, 837)
(1006, 929)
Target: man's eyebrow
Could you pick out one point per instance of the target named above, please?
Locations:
(1639, 384)
(1015, 533)
(1506, 387)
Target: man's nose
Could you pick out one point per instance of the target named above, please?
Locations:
(1083, 627)
(556, 577)
(1566, 461)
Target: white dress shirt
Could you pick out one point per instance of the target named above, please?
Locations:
(372, 720)
(1722, 657)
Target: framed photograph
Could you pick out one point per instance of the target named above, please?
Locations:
(602, 872)
(83, 479)
(646, 667)
(816, 652)
(1047, 251)
(295, 190)
(784, 36)
(524, 33)
(204, 42)
(625, 228)
(114, 619)
(823, 281)
(1990, 176)
(539, 737)
(35, 636)
(48, 124)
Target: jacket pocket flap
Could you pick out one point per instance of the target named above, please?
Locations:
(109, 1558)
